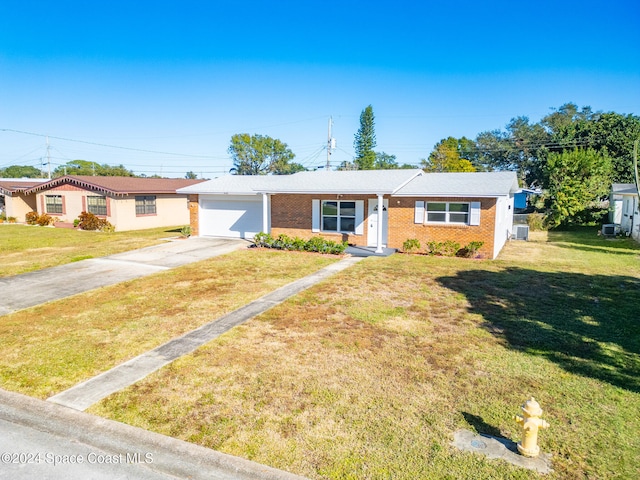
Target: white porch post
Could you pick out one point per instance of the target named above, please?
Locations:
(265, 212)
(380, 220)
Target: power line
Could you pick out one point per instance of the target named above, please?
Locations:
(107, 145)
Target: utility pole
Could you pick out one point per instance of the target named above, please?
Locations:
(49, 157)
(635, 166)
(331, 145)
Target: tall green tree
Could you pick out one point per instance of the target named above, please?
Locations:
(365, 141)
(445, 157)
(563, 122)
(85, 167)
(19, 171)
(578, 180)
(611, 132)
(261, 155)
(522, 148)
(384, 161)
(616, 133)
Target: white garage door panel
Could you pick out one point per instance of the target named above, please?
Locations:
(238, 217)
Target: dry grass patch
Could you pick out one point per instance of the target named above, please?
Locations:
(368, 374)
(25, 248)
(52, 347)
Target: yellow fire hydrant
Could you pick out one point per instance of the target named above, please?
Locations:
(531, 423)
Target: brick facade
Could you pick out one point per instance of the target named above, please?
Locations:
(292, 215)
(194, 214)
(402, 226)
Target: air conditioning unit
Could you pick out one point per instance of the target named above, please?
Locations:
(521, 232)
(610, 230)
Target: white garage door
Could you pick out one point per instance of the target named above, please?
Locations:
(230, 216)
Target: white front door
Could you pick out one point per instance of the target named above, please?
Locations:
(372, 223)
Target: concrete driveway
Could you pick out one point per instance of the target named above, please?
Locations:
(42, 286)
(40, 439)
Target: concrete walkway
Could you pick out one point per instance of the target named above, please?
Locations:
(83, 395)
(42, 286)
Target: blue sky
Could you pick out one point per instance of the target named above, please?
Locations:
(181, 77)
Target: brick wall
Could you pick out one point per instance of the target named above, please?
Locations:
(193, 215)
(292, 215)
(402, 226)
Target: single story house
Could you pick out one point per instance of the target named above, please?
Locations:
(13, 201)
(624, 209)
(128, 203)
(346, 205)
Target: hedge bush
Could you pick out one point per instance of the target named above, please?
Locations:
(88, 221)
(448, 248)
(32, 218)
(411, 245)
(470, 250)
(444, 249)
(285, 242)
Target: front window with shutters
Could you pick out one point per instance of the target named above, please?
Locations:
(338, 216)
(448, 212)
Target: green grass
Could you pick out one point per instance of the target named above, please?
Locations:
(52, 347)
(25, 248)
(368, 374)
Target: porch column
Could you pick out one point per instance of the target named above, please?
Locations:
(380, 220)
(265, 212)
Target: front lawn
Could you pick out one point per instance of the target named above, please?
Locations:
(24, 248)
(49, 348)
(369, 374)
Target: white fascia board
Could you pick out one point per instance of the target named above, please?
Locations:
(329, 192)
(406, 182)
(202, 191)
(449, 194)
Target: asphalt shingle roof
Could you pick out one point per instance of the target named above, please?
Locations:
(468, 184)
(629, 188)
(393, 182)
(119, 185)
(18, 185)
(361, 181)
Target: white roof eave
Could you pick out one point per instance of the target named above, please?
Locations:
(328, 192)
(450, 194)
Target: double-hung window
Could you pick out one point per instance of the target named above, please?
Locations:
(146, 205)
(448, 212)
(53, 203)
(97, 205)
(338, 216)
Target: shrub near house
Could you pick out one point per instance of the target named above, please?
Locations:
(32, 218)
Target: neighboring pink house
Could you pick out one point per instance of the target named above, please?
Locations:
(13, 201)
(128, 203)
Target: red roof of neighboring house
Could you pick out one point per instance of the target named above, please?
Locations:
(9, 186)
(118, 185)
